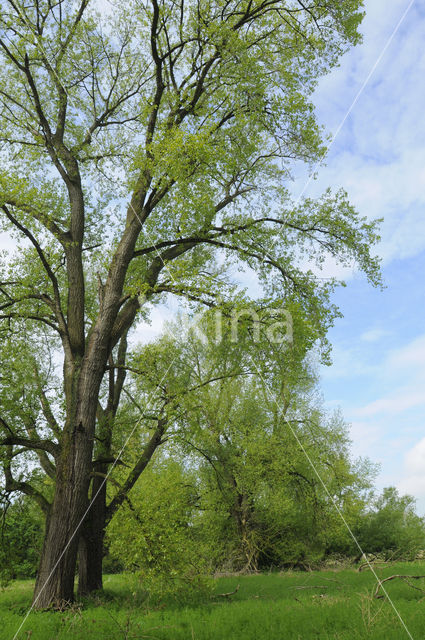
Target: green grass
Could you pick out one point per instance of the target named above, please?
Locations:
(335, 605)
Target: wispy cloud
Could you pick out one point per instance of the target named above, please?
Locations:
(413, 481)
(379, 156)
(374, 335)
(397, 401)
(389, 428)
(411, 356)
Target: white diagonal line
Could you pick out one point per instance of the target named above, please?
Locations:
(109, 471)
(335, 504)
(295, 435)
(354, 102)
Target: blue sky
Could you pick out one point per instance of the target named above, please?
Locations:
(378, 371)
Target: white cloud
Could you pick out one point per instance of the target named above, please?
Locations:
(413, 479)
(366, 438)
(390, 428)
(411, 355)
(403, 370)
(379, 154)
(348, 362)
(374, 335)
(328, 269)
(379, 158)
(397, 401)
(146, 331)
(415, 458)
(414, 485)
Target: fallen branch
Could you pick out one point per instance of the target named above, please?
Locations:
(226, 595)
(375, 563)
(311, 586)
(402, 577)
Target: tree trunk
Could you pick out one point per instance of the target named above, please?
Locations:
(90, 550)
(55, 580)
(242, 516)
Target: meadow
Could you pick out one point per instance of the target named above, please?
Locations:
(295, 605)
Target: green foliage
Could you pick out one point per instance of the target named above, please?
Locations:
(210, 136)
(264, 499)
(258, 501)
(391, 527)
(153, 535)
(20, 540)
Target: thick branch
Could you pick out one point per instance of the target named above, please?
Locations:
(44, 445)
(29, 443)
(154, 442)
(23, 487)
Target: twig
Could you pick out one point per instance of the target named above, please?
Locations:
(311, 586)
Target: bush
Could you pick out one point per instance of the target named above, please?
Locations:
(392, 528)
(21, 538)
(153, 536)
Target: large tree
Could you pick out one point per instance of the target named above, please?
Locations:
(136, 146)
(251, 498)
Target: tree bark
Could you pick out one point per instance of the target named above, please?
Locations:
(90, 552)
(90, 549)
(55, 580)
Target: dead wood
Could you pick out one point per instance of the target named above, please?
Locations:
(226, 595)
(402, 577)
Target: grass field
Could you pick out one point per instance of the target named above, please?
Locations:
(290, 605)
